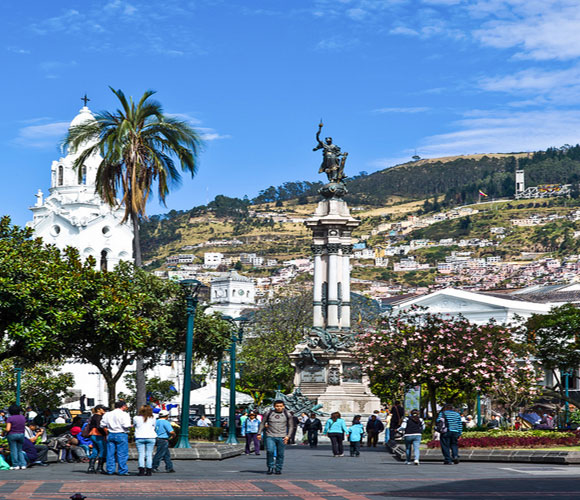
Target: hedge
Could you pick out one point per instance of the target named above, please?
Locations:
(204, 433)
(515, 440)
(538, 433)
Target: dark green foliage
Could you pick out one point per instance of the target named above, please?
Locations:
(224, 206)
(43, 385)
(203, 433)
(287, 191)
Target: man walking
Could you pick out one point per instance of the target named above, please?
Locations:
(397, 415)
(453, 429)
(164, 432)
(118, 423)
(312, 427)
(279, 425)
(374, 428)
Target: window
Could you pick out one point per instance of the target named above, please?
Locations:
(60, 175)
(83, 175)
(103, 260)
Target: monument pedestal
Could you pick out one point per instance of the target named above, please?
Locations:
(326, 370)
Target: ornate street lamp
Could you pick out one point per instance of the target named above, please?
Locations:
(191, 289)
(237, 336)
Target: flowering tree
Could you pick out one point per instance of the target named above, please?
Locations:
(442, 353)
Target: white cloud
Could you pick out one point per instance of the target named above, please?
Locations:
(545, 30)
(540, 86)
(336, 43)
(404, 30)
(41, 136)
(209, 134)
(417, 109)
(441, 2)
(506, 132)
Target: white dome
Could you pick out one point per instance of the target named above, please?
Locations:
(84, 116)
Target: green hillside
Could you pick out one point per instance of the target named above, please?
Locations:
(389, 194)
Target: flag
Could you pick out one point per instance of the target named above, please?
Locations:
(481, 193)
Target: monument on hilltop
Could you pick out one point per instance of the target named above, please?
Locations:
(326, 370)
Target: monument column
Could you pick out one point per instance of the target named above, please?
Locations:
(318, 319)
(333, 258)
(327, 371)
(345, 316)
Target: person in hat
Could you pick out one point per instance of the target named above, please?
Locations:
(164, 432)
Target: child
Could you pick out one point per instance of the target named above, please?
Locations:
(355, 434)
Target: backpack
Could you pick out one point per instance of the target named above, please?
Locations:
(442, 426)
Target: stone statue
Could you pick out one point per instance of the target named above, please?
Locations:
(329, 341)
(332, 159)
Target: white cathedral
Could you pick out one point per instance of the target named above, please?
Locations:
(75, 215)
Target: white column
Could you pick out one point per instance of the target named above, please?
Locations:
(318, 319)
(345, 313)
(333, 263)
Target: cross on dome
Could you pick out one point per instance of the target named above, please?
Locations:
(85, 99)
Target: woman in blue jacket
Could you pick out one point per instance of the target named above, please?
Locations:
(250, 431)
(335, 429)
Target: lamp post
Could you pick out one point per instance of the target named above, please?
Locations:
(18, 384)
(479, 422)
(218, 398)
(191, 289)
(567, 375)
(237, 336)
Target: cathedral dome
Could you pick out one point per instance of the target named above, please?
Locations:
(84, 116)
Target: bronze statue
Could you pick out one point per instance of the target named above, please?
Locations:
(332, 159)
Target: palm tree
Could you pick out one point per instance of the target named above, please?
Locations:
(138, 145)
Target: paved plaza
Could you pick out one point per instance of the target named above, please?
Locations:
(308, 474)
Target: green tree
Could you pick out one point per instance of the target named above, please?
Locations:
(157, 390)
(127, 313)
(272, 336)
(554, 338)
(42, 385)
(38, 295)
(138, 145)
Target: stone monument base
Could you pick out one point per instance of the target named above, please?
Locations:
(334, 380)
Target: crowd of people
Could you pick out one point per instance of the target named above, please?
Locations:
(102, 441)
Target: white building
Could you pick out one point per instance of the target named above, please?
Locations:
(231, 294)
(212, 260)
(75, 215)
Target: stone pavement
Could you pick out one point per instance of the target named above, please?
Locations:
(308, 474)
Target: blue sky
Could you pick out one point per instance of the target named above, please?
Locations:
(255, 76)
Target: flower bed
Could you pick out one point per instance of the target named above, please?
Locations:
(515, 440)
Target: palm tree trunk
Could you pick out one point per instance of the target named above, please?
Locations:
(140, 377)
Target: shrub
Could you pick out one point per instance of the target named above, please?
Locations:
(204, 433)
(515, 440)
(538, 433)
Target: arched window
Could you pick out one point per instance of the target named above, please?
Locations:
(60, 175)
(103, 260)
(83, 175)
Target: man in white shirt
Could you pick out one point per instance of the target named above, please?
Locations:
(118, 423)
(204, 422)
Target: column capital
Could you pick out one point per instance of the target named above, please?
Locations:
(346, 249)
(317, 249)
(333, 247)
